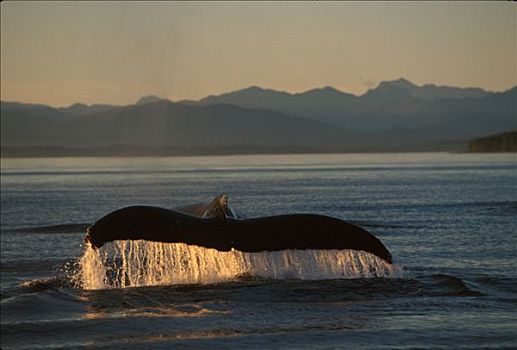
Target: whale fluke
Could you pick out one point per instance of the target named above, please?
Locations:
(272, 233)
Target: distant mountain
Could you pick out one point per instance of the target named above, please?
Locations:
(25, 110)
(395, 116)
(257, 97)
(83, 109)
(431, 91)
(429, 111)
(166, 126)
(323, 102)
(150, 99)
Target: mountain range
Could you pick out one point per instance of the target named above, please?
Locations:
(395, 116)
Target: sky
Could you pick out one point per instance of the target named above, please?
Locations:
(59, 53)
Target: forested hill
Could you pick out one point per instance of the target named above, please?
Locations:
(503, 142)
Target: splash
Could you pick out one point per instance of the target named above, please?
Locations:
(139, 263)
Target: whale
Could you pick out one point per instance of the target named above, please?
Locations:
(219, 229)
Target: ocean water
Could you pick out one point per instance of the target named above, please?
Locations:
(449, 220)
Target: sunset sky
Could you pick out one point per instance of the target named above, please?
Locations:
(62, 52)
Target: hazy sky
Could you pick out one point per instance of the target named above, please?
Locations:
(62, 52)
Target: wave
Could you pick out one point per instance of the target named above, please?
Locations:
(501, 208)
(510, 206)
(47, 283)
(267, 169)
(185, 297)
(447, 285)
(61, 228)
(386, 225)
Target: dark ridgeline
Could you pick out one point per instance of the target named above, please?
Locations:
(503, 142)
(164, 127)
(395, 116)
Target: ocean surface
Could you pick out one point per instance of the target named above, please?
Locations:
(449, 220)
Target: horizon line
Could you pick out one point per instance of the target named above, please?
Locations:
(292, 93)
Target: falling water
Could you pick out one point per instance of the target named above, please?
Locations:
(142, 263)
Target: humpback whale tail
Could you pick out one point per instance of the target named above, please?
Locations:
(215, 228)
